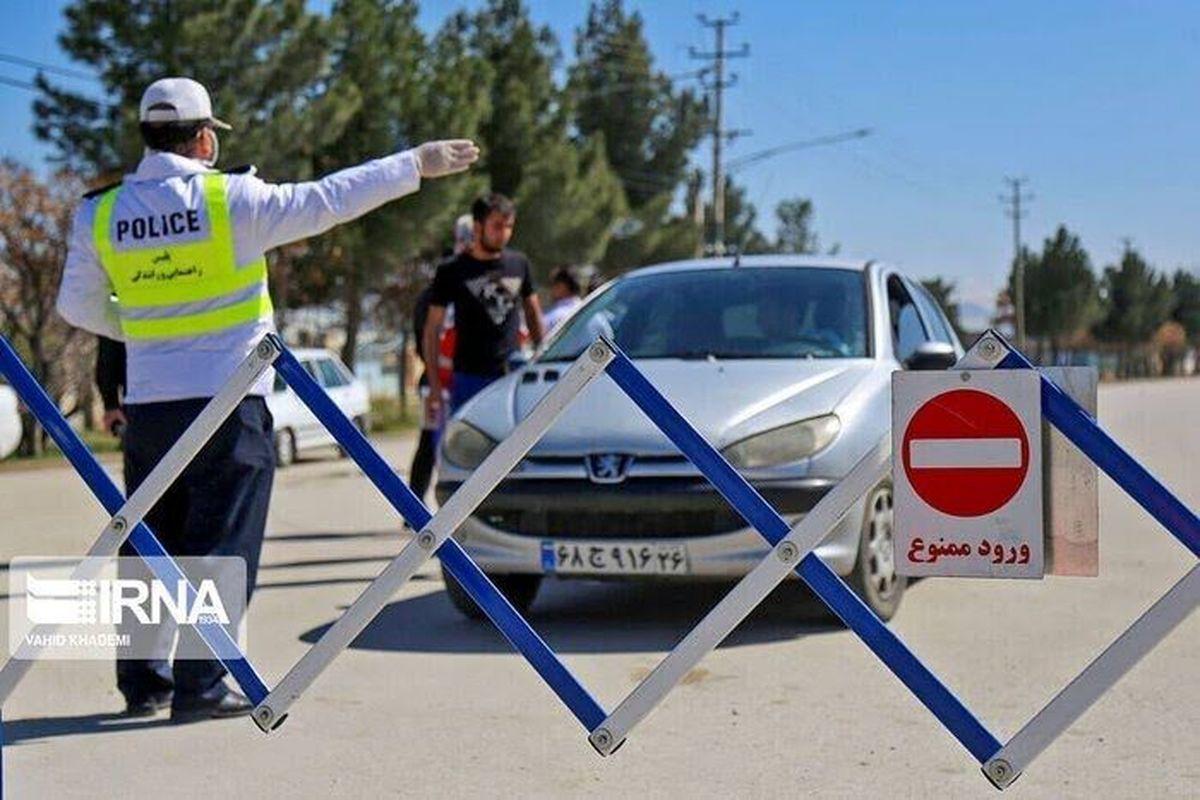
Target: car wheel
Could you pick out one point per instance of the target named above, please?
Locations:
(519, 589)
(285, 448)
(874, 577)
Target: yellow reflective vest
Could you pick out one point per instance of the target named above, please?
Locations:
(192, 288)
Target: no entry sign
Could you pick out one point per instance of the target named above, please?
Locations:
(967, 472)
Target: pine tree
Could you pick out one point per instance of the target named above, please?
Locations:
(407, 90)
(741, 218)
(648, 126)
(567, 194)
(524, 101)
(566, 205)
(1061, 297)
(1186, 289)
(1136, 301)
(795, 233)
(262, 61)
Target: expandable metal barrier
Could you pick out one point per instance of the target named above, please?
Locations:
(791, 550)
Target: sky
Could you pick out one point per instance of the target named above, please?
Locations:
(1096, 103)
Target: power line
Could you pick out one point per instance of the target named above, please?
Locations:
(30, 87)
(1012, 209)
(762, 155)
(18, 84)
(41, 65)
(719, 134)
(622, 87)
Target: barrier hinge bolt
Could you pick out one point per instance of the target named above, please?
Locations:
(602, 739)
(119, 524)
(1000, 772)
(262, 715)
(598, 352)
(989, 348)
(787, 552)
(425, 539)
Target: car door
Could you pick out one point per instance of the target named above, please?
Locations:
(907, 327)
(935, 319)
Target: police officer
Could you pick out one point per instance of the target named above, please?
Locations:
(181, 246)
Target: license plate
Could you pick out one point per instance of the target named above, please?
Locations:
(614, 558)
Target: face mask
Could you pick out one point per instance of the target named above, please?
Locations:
(216, 153)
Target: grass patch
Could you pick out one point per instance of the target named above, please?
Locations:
(99, 442)
(388, 415)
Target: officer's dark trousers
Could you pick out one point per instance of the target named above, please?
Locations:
(217, 507)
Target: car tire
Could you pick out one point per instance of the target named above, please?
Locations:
(285, 448)
(874, 577)
(519, 589)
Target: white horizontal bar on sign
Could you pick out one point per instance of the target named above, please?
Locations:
(964, 453)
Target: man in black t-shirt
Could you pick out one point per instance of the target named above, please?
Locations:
(485, 285)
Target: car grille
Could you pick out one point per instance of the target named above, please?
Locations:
(576, 524)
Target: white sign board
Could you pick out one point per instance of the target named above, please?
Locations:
(967, 468)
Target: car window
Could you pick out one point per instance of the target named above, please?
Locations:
(331, 376)
(932, 315)
(907, 331)
(280, 384)
(748, 312)
(345, 372)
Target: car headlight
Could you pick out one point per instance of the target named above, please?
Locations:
(784, 444)
(466, 446)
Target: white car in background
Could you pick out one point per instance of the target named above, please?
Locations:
(297, 430)
(10, 421)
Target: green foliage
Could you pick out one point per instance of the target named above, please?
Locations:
(1186, 289)
(1136, 300)
(566, 205)
(741, 230)
(525, 113)
(648, 127)
(261, 59)
(795, 233)
(651, 235)
(1060, 289)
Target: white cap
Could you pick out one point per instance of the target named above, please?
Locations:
(177, 100)
(464, 230)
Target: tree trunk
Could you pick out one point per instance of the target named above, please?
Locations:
(31, 438)
(353, 298)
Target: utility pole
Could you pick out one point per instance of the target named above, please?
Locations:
(1013, 202)
(719, 134)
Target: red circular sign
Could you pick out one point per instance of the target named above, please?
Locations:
(965, 453)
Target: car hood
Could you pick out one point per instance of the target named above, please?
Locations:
(725, 400)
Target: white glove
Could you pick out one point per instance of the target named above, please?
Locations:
(435, 159)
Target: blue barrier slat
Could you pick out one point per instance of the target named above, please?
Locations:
(493, 603)
(948, 709)
(141, 539)
(1077, 425)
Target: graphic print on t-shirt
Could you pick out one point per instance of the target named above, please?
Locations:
(497, 294)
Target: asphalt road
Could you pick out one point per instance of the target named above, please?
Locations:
(427, 704)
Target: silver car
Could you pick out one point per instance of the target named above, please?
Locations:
(783, 363)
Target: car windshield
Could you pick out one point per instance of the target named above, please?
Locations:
(745, 312)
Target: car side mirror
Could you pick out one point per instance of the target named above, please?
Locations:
(932, 355)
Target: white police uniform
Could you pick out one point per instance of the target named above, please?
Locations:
(182, 246)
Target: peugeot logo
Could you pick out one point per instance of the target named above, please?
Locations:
(608, 467)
